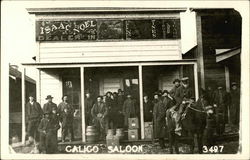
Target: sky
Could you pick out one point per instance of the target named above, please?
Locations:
(18, 29)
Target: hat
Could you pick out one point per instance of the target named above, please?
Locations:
(184, 79)
(49, 97)
(32, 95)
(156, 93)
(234, 83)
(46, 112)
(176, 80)
(165, 92)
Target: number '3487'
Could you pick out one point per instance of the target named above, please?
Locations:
(213, 149)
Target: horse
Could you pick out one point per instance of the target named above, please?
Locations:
(192, 116)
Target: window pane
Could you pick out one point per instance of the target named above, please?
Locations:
(138, 29)
(110, 29)
(172, 28)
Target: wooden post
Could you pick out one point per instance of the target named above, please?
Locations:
(38, 87)
(23, 106)
(141, 101)
(82, 104)
(196, 86)
(200, 51)
(227, 77)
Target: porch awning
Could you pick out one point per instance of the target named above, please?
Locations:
(223, 54)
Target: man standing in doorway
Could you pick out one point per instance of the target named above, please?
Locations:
(99, 113)
(148, 109)
(159, 114)
(34, 114)
(89, 102)
(66, 112)
(47, 107)
(120, 101)
(129, 109)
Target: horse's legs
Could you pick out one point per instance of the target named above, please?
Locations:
(171, 140)
(191, 141)
(176, 148)
(200, 142)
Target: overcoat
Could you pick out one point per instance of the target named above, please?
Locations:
(47, 107)
(129, 110)
(159, 114)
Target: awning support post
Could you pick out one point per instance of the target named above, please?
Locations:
(82, 104)
(141, 101)
(23, 106)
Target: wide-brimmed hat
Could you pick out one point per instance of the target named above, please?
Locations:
(156, 93)
(165, 92)
(233, 84)
(49, 97)
(176, 80)
(46, 112)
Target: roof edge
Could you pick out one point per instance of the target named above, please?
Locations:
(100, 10)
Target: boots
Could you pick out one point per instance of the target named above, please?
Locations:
(161, 142)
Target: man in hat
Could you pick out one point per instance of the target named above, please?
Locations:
(177, 84)
(234, 107)
(167, 100)
(159, 114)
(184, 92)
(220, 104)
(34, 114)
(148, 109)
(120, 101)
(99, 113)
(66, 112)
(129, 109)
(47, 107)
(111, 113)
(88, 103)
(48, 129)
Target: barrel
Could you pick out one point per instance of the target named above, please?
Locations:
(91, 134)
(120, 133)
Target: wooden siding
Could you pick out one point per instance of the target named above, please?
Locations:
(166, 81)
(109, 51)
(51, 84)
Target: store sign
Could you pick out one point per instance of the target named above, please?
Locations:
(106, 29)
(66, 30)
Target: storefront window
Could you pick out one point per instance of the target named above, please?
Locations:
(112, 29)
(106, 29)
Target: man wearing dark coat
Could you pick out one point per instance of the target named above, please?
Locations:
(47, 107)
(177, 84)
(34, 115)
(220, 103)
(88, 103)
(66, 113)
(234, 106)
(183, 92)
(148, 109)
(120, 101)
(159, 114)
(99, 113)
(129, 109)
(48, 129)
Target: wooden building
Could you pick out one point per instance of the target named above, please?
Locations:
(134, 49)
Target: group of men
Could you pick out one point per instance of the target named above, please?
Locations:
(43, 123)
(112, 110)
(223, 102)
